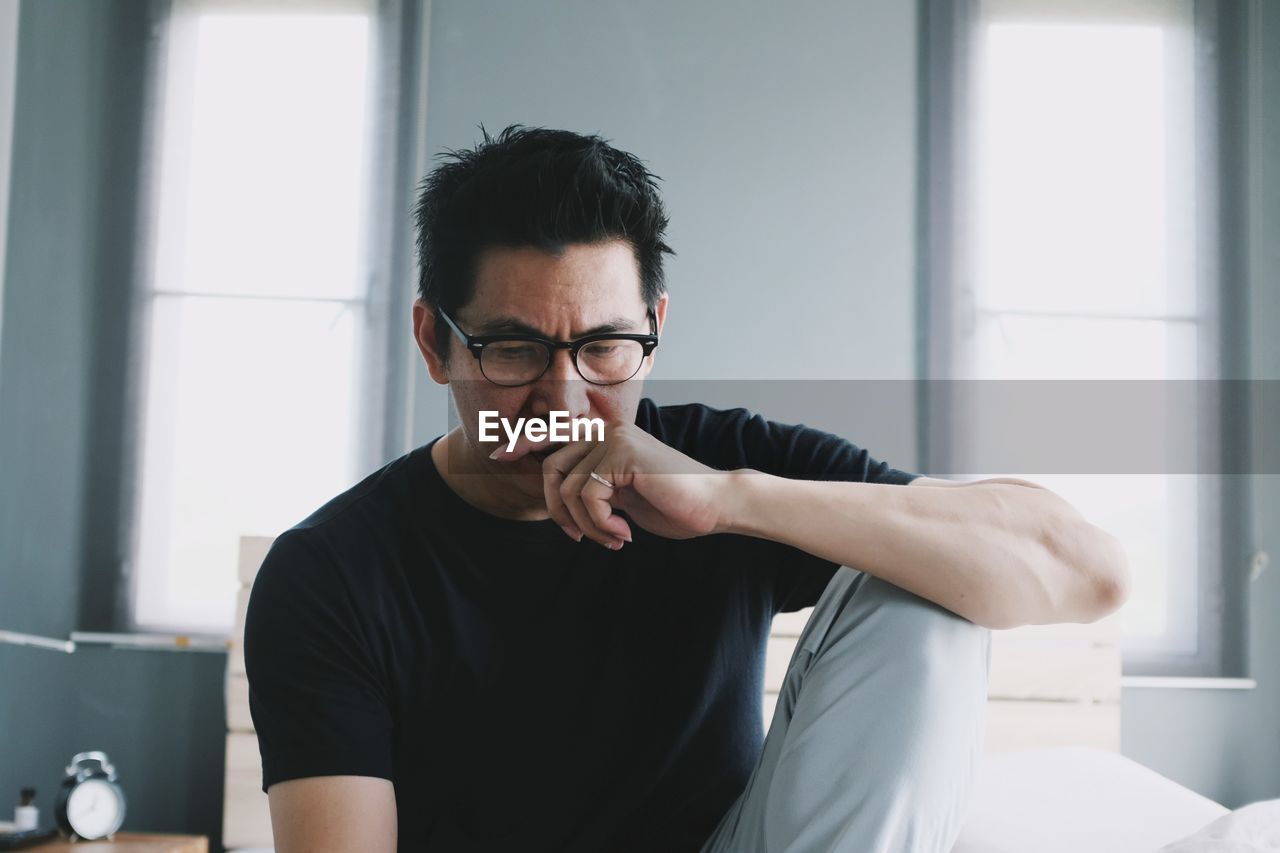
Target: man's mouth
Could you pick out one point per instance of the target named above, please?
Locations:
(524, 449)
(545, 452)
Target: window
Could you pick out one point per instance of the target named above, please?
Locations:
(8, 77)
(263, 305)
(1070, 164)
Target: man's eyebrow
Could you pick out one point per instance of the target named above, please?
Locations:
(507, 325)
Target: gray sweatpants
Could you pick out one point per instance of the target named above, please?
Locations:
(877, 732)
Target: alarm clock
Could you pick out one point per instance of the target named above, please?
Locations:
(90, 803)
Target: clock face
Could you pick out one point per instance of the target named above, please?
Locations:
(95, 809)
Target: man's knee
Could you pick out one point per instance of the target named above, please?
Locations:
(932, 648)
(925, 630)
(913, 677)
(887, 725)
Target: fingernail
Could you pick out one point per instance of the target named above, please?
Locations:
(572, 532)
(495, 454)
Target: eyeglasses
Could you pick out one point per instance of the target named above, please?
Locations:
(512, 360)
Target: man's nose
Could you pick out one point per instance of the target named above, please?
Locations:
(562, 388)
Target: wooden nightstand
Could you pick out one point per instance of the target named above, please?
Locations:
(130, 842)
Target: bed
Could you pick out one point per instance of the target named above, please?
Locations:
(1052, 779)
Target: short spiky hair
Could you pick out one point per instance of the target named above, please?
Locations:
(539, 188)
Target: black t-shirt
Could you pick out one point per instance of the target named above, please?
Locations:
(521, 690)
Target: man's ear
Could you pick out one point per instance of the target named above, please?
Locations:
(424, 334)
(660, 316)
(660, 311)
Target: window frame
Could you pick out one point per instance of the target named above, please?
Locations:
(947, 34)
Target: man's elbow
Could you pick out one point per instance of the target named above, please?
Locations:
(1109, 579)
(1090, 577)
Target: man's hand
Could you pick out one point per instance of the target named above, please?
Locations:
(659, 488)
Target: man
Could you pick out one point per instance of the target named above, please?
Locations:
(517, 644)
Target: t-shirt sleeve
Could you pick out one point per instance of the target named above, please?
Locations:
(735, 438)
(318, 703)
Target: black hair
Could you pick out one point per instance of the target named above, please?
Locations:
(539, 188)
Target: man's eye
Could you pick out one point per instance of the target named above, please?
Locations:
(601, 350)
(515, 352)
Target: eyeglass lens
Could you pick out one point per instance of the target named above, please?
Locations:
(604, 362)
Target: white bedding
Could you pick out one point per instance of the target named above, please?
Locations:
(1076, 800)
(1254, 828)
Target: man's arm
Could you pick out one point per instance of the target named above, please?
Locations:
(1000, 552)
(325, 732)
(320, 814)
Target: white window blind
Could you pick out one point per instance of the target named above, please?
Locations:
(256, 301)
(1074, 254)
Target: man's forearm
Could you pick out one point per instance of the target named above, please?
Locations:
(998, 554)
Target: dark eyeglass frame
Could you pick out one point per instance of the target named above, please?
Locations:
(476, 344)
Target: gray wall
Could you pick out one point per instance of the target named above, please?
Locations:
(784, 135)
(786, 140)
(159, 715)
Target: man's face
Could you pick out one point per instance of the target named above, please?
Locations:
(589, 288)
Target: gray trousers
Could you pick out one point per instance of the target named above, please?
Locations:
(877, 733)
